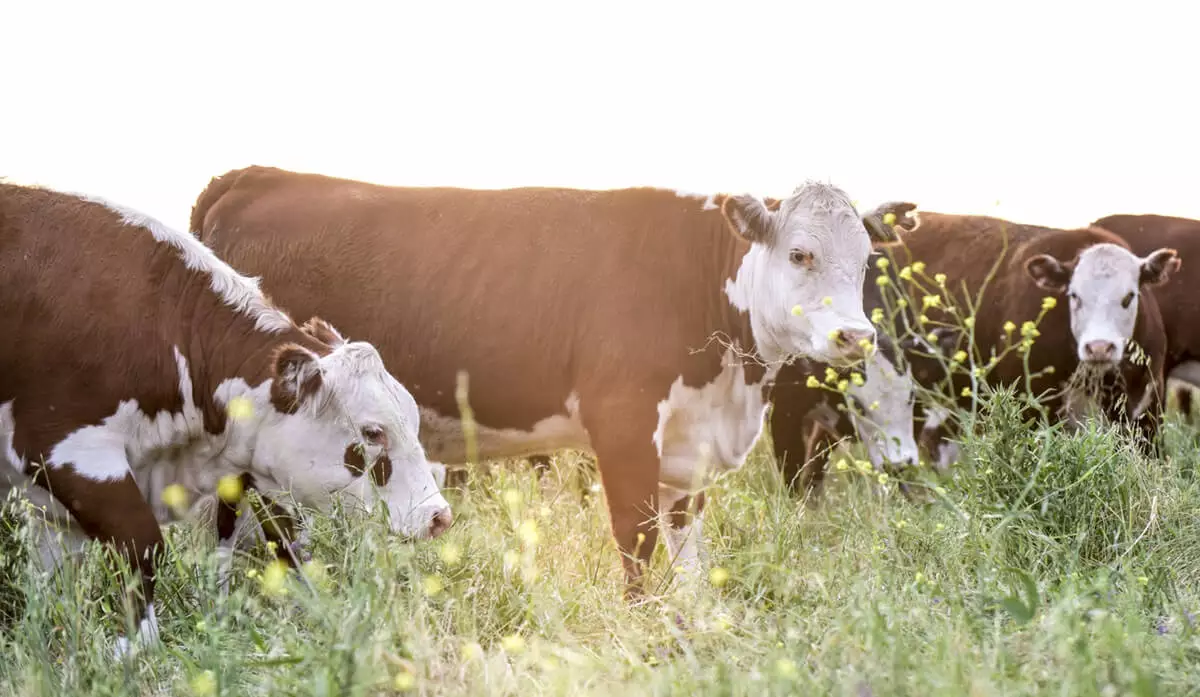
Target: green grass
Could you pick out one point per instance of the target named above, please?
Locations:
(1054, 563)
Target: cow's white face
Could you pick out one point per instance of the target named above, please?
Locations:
(352, 429)
(809, 253)
(883, 419)
(1102, 286)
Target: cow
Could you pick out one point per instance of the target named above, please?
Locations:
(135, 359)
(1096, 273)
(1176, 298)
(642, 325)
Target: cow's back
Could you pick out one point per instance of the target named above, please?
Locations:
(532, 291)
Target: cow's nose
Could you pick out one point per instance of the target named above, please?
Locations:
(854, 342)
(1099, 350)
(442, 520)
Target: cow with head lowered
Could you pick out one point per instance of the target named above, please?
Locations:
(642, 325)
(134, 359)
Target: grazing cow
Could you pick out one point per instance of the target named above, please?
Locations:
(642, 325)
(1096, 272)
(1177, 298)
(135, 359)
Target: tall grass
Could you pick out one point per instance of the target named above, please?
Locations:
(1052, 564)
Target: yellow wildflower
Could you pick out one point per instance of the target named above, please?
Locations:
(1009, 327)
(841, 466)
(1049, 370)
(874, 406)
(204, 684)
(512, 497)
(877, 315)
(176, 498)
(889, 218)
(718, 576)
(797, 310)
(918, 267)
(966, 392)
(857, 379)
(827, 301)
(906, 273)
(273, 577)
(940, 279)
(919, 577)
(830, 375)
(969, 322)
(1048, 303)
(431, 585)
(843, 385)
(960, 356)
(1029, 329)
(931, 301)
(812, 381)
(786, 667)
(901, 303)
(229, 488)
(450, 553)
(931, 337)
(528, 532)
(471, 650)
(404, 681)
(883, 478)
(239, 408)
(882, 280)
(881, 263)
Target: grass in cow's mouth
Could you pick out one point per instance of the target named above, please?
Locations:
(1054, 562)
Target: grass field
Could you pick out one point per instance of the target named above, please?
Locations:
(1053, 563)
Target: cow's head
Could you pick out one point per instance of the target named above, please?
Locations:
(339, 423)
(1102, 285)
(883, 418)
(808, 253)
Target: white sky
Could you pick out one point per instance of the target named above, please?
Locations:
(1062, 112)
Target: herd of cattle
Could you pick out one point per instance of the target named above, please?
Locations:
(652, 328)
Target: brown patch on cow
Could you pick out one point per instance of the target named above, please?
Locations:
(381, 468)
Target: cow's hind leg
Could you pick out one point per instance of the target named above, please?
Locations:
(682, 526)
(112, 509)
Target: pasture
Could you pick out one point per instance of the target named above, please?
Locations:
(1049, 563)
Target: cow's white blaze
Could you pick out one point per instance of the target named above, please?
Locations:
(884, 417)
(810, 253)
(1102, 286)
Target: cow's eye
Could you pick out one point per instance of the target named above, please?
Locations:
(801, 258)
(1128, 299)
(374, 435)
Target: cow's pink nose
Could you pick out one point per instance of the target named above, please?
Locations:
(1099, 350)
(852, 340)
(442, 520)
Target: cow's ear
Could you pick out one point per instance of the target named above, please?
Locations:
(749, 218)
(1158, 266)
(1049, 273)
(323, 331)
(876, 221)
(296, 378)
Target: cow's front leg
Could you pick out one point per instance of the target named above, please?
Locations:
(109, 507)
(621, 431)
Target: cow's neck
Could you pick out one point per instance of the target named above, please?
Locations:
(732, 321)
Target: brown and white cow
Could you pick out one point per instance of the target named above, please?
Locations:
(1092, 268)
(134, 359)
(1178, 300)
(642, 325)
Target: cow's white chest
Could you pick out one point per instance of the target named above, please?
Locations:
(704, 431)
(445, 438)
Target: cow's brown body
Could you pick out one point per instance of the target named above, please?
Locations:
(1179, 298)
(573, 313)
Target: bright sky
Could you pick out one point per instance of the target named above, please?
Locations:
(1062, 112)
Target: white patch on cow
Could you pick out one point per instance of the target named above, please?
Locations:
(685, 545)
(237, 291)
(945, 451)
(8, 428)
(817, 220)
(712, 426)
(147, 633)
(444, 439)
(1103, 295)
(884, 419)
(710, 200)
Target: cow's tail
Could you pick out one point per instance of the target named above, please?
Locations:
(217, 187)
